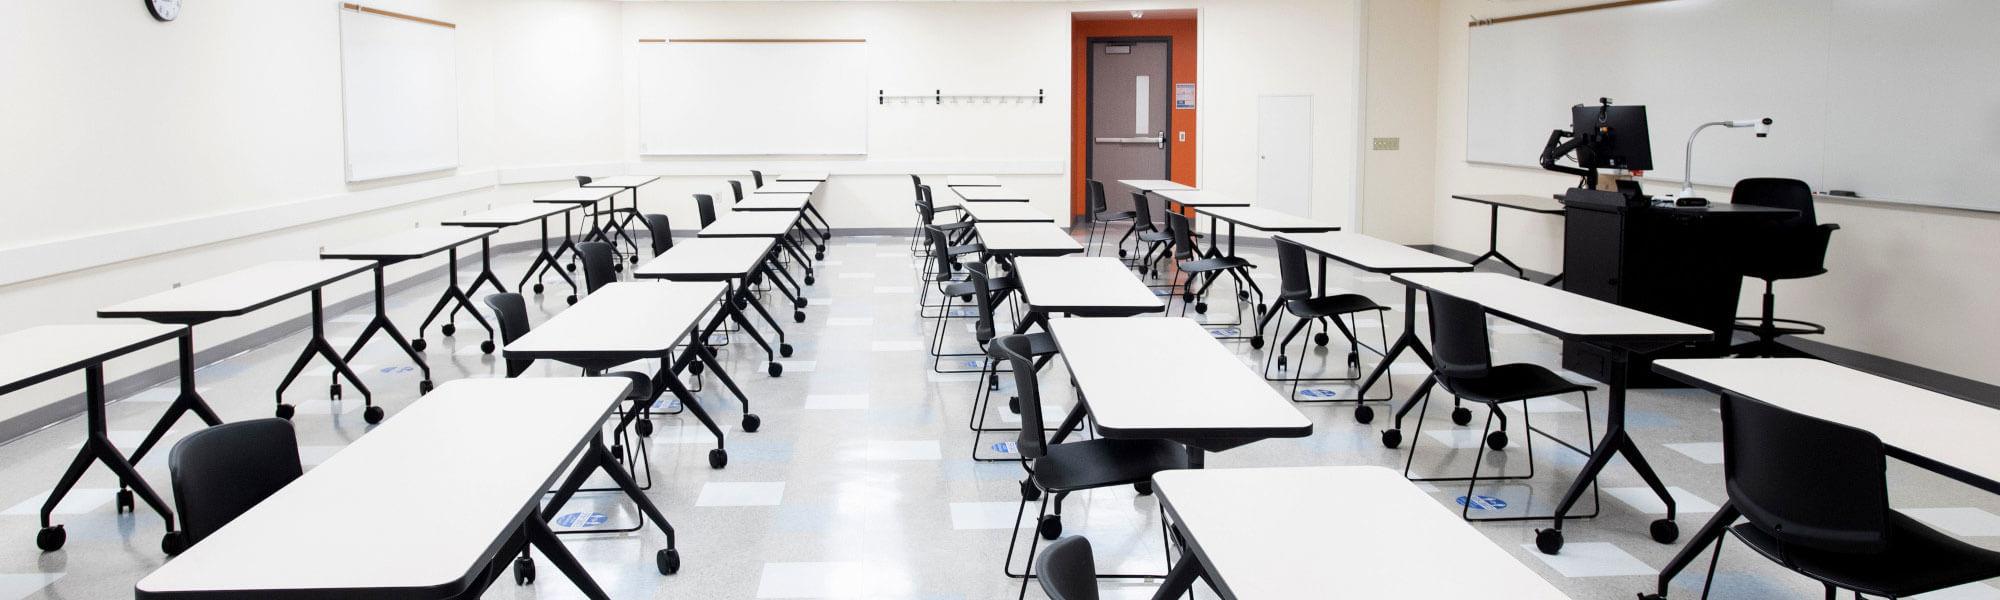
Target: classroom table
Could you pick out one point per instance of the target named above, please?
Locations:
(1948, 435)
(971, 181)
(1302, 532)
(804, 183)
(428, 506)
(1008, 241)
(736, 262)
(816, 176)
(1263, 219)
(509, 216)
(246, 290)
(989, 194)
(761, 223)
(1373, 255)
(38, 354)
(406, 245)
(781, 202)
(1546, 205)
(1154, 185)
(1211, 402)
(790, 187)
(1577, 319)
(1178, 200)
(629, 321)
(624, 182)
(1084, 286)
(1005, 212)
(578, 198)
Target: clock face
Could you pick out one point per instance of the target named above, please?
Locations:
(164, 10)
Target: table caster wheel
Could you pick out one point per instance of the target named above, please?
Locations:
(1549, 541)
(1461, 415)
(372, 415)
(571, 300)
(572, 267)
(285, 411)
(785, 350)
(1050, 527)
(124, 501)
(1320, 339)
(752, 422)
(447, 329)
(1121, 253)
(1187, 296)
(1145, 488)
(775, 369)
(644, 427)
(174, 543)
(1665, 531)
(809, 280)
(1201, 308)
(1392, 438)
(1029, 492)
(819, 255)
(800, 302)
(524, 570)
(51, 538)
(742, 304)
(424, 387)
(1497, 440)
(634, 259)
(538, 288)
(419, 344)
(695, 368)
(1364, 415)
(1014, 404)
(798, 316)
(333, 391)
(486, 347)
(1256, 341)
(669, 561)
(718, 458)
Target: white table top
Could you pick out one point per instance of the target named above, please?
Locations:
(1026, 239)
(805, 176)
(971, 180)
(1153, 185)
(1084, 285)
(1208, 393)
(751, 223)
(1371, 254)
(1198, 198)
(505, 216)
(789, 187)
(992, 193)
(422, 500)
(1538, 204)
(1553, 311)
(408, 243)
(35, 354)
(1006, 212)
(621, 181)
(1934, 426)
(1264, 219)
(1305, 532)
(578, 195)
(620, 322)
(707, 259)
(237, 293)
(767, 202)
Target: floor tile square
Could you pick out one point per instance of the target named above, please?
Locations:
(14, 586)
(836, 402)
(896, 346)
(902, 450)
(814, 580)
(983, 515)
(741, 493)
(1644, 501)
(80, 500)
(1591, 559)
(1707, 453)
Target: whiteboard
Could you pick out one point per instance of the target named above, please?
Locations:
(754, 98)
(399, 95)
(1889, 99)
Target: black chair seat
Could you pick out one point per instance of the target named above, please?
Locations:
(1512, 382)
(1216, 264)
(1117, 216)
(953, 226)
(1086, 464)
(1919, 560)
(642, 384)
(965, 249)
(1041, 344)
(1155, 236)
(1327, 306)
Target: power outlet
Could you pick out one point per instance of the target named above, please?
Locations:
(1388, 143)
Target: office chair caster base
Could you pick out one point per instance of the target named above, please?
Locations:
(51, 538)
(124, 501)
(285, 411)
(1497, 440)
(1392, 438)
(1320, 339)
(373, 414)
(424, 387)
(798, 316)
(752, 422)
(1201, 308)
(538, 288)
(1050, 528)
(785, 350)
(571, 299)
(1256, 341)
(1549, 541)
(718, 458)
(644, 427)
(486, 347)
(447, 329)
(524, 570)
(1029, 492)
(1145, 488)
(668, 560)
(419, 344)
(800, 303)
(1364, 415)
(174, 543)
(775, 369)
(1461, 415)
(1664, 531)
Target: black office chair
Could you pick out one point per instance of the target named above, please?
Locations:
(220, 472)
(1068, 570)
(1814, 498)
(1793, 248)
(662, 233)
(1188, 260)
(704, 204)
(1296, 296)
(1101, 218)
(1058, 468)
(1462, 362)
(1148, 235)
(598, 260)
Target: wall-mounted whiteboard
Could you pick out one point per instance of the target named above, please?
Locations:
(399, 95)
(1894, 100)
(754, 98)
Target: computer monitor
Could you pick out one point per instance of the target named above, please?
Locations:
(1614, 137)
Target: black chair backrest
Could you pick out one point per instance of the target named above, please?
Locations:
(1792, 246)
(662, 233)
(757, 177)
(736, 188)
(598, 260)
(1777, 192)
(925, 214)
(983, 328)
(510, 314)
(1805, 481)
(1093, 194)
(704, 205)
(1068, 569)
(583, 180)
(917, 183)
(940, 252)
(1143, 209)
(220, 472)
(1294, 281)
(1459, 344)
(1183, 234)
(1017, 351)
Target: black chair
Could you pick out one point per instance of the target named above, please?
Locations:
(1814, 498)
(1296, 296)
(661, 231)
(1069, 571)
(1058, 468)
(598, 260)
(757, 177)
(1101, 218)
(1148, 234)
(1793, 248)
(220, 472)
(1188, 260)
(988, 293)
(1462, 363)
(704, 204)
(943, 277)
(736, 189)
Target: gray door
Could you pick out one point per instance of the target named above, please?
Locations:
(1130, 100)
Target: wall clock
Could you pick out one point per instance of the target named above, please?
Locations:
(164, 10)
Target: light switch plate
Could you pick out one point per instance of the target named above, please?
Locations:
(1388, 143)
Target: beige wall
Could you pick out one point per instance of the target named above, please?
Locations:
(1401, 102)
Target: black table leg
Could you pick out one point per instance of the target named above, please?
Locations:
(1180, 580)
(97, 448)
(552, 548)
(318, 346)
(190, 400)
(1710, 533)
(457, 299)
(382, 323)
(1616, 442)
(1408, 340)
(1493, 243)
(546, 261)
